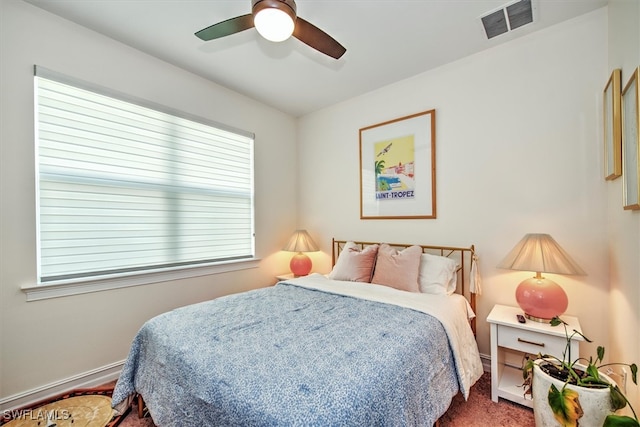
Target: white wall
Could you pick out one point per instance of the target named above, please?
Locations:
(54, 342)
(624, 226)
(518, 150)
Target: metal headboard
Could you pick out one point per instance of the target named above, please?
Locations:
(464, 257)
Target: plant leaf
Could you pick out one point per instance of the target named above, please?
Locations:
(619, 421)
(527, 369)
(556, 321)
(634, 373)
(580, 333)
(593, 372)
(617, 399)
(565, 406)
(600, 352)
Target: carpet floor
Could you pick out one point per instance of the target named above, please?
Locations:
(478, 411)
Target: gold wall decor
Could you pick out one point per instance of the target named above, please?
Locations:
(631, 142)
(612, 127)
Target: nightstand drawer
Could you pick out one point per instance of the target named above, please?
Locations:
(530, 342)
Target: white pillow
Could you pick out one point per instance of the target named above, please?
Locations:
(437, 274)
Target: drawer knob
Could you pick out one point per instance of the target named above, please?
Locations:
(539, 344)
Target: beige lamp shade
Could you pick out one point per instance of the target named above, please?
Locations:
(300, 242)
(542, 254)
(541, 299)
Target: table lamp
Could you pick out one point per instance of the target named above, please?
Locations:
(300, 242)
(541, 299)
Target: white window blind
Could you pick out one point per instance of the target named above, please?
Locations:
(127, 188)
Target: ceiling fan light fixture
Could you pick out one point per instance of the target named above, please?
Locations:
(274, 20)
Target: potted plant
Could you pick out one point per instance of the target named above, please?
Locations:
(574, 390)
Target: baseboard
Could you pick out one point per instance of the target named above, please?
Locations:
(486, 362)
(87, 379)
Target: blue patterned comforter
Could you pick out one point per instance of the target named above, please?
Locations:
(291, 356)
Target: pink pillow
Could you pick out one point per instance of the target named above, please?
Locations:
(398, 269)
(353, 264)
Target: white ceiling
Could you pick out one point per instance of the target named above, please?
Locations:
(386, 41)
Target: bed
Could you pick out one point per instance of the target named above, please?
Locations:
(318, 350)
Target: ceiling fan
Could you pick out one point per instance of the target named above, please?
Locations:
(276, 20)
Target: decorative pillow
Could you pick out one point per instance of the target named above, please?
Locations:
(398, 269)
(353, 264)
(437, 274)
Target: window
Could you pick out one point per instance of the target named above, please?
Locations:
(125, 187)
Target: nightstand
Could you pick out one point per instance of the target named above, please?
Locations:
(282, 277)
(511, 340)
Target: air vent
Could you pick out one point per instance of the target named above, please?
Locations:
(507, 18)
(495, 24)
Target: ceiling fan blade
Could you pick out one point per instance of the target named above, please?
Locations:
(226, 28)
(317, 39)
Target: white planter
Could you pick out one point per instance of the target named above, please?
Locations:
(595, 403)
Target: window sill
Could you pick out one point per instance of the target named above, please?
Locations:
(84, 286)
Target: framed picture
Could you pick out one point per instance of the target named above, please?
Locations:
(631, 142)
(612, 127)
(398, 169)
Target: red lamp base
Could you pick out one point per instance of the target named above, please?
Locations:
(541, 299)
(300, 264)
